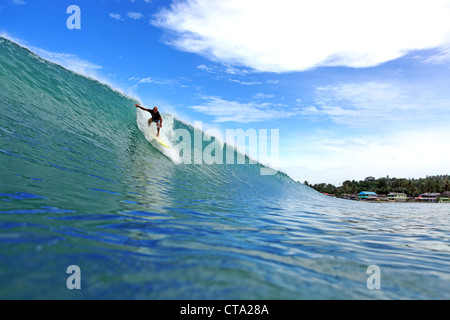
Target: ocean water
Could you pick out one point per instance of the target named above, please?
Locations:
(80, 184)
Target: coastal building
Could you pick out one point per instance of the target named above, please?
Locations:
(370, 178)
(367, 195)
(445, 197)
(353, 196)
(330, 195)
(397, 196)
(423, 197)
(428, 197)
(434, 196)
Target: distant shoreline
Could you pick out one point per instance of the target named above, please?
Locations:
(431, 189)
(409, 202)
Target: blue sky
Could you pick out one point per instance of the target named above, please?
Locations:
(356, 88)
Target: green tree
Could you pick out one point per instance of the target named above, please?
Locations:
(381, 186)
(411, 189)
(430, 185)
(347, 187)
(446, 185)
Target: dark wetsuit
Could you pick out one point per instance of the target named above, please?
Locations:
(155, 115)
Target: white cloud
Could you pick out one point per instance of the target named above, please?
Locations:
(379, 129)
(205, 68)
(234, 111)
(246, 83)
(152, 80)
(287, 35)
(261, 95)
(116, 16)
(19, 2)
(443, 57)
(135, 15)
(146, 80)
(219, 69)
(233, 70)
(333, 159)
(370, 104)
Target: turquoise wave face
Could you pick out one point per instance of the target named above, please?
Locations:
(82, 185)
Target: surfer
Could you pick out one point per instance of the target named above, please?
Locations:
(155, 117)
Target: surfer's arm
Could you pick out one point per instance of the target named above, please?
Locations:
(138, 106)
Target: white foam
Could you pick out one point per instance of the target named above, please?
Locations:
(165, 134)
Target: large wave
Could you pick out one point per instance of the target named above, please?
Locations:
(83, 182)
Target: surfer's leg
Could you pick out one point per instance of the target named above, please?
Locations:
(158, 126)
(150, 121)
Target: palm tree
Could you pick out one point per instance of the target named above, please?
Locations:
(446, 185)
(412, 189)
